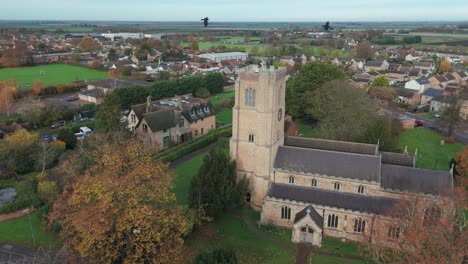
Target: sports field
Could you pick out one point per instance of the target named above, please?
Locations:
(51, 74)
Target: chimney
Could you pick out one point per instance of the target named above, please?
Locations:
(179, 103)
(148, 104)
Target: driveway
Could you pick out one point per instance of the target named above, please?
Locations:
(62, 100)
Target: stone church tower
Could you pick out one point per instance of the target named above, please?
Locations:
(258, 126)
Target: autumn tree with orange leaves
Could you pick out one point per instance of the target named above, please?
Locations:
(117, 205)
(422, 230)
(7, 90)
(37, 87)
(445, 66)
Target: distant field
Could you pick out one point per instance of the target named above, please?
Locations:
(207, 46)
(52, 74)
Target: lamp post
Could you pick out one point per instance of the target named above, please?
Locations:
(30, 225)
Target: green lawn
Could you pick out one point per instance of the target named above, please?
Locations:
(334, 245)
(18, 231)
(431, 155)
(306, 130)
(184, 174)
(223, 115)
(232, 233)
(320, 259)
(52, 74)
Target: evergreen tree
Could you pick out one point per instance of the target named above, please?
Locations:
(214, 188)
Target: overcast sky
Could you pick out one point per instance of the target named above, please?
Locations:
(236, 10)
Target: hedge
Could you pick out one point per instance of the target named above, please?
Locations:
(193, 145)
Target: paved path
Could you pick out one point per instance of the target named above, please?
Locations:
(176, 163)
(15, 254)
(17, 214)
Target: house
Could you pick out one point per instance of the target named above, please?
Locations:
(376, 65)
(419, 85)
(424, 65)
(438, 103)
(429, 94)
(411, 58)
(362, 79)
(395, 76)
(314, 187)
(414, 73)
(11, 129)
(408, 96)
(171, 120)
(98, 89)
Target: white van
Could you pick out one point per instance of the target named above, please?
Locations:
(86, 131)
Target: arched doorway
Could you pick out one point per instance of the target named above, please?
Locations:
(247, 197)
(306, 234)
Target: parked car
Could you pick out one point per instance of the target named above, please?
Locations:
(86, 131)
(72, 98)
(79, 136)
(58, 124)
(419, 123)
(437, 115)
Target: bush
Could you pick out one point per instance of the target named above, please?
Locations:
(228, 102)
(47, 190)
(218, 256)
(202, 93)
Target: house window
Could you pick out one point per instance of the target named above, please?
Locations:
(337, 186)
(291, 179)
(196, 132)
(333, 221)
(359, 225)
(360, 189)
(250, 97)
(133, 118)
(166, 141)
(202, 130)
(314, 183)
(145, 128)
(285, 212)
(251, 137)
(394, 232)
(181, 122)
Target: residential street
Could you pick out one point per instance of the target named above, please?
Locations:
(461, 136)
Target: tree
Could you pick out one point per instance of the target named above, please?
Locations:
(383, 92)
(18, 151)
(194, 45)
(19, 56)
(109, 117)
(246, 39)
(37, 87)
(48, 153)
(66, 135)
(343, 112)
(202, 93)
(445, 66)
(364, 50)
(112, 55)
(110, 212)
(214, 188)
(381, 131)
(89, 44)
(380, 81)
(451, 112)
(7, 88)
(309, 79)
(422, 230)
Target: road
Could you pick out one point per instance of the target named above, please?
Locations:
(15, 254)
(460, 136)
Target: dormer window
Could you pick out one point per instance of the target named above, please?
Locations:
(145, 128)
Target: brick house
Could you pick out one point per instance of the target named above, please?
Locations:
(171, 121)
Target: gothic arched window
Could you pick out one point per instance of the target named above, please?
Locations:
(314, 183)
(337, 186)
(394, 232)
(291, 179)
(285, 212)
(360, 189)
(333, 221)
(250, 97)
(359, 225)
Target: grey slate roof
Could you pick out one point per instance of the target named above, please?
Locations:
(415, 180)
(331, 163)
(332, 145)
(316, 217)
(161, 120)
(433, 92)
(348, 201)
(397, 159)
(111, 84)
(374, 63)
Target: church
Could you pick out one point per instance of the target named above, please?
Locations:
(317, 187)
